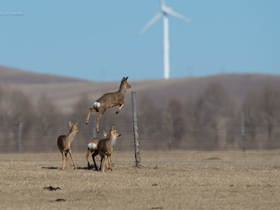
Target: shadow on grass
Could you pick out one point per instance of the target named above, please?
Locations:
(50, 167)
(78, 168)
(91, 167)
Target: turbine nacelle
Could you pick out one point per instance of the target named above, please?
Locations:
(164, 11)
(167, 10)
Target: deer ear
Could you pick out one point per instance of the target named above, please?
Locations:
(126, 78)
(70, 123)
(76, 123)
(105, 134)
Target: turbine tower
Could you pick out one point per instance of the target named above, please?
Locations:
(164, 12)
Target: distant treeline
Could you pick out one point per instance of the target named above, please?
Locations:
(210, 120)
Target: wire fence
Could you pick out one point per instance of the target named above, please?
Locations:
(200, 145)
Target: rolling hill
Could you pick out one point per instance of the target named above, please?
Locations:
(66, 91)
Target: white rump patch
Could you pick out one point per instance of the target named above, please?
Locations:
(96, 104)
(92, 146)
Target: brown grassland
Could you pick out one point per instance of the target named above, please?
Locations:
(166, 180)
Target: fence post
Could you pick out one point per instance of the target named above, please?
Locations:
(135, 131)
(242, 131)
(19, 137)
(93, 127)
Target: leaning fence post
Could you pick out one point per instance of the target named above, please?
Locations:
(135, 130)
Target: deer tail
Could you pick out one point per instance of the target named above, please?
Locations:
(96, 104)
(92, 146)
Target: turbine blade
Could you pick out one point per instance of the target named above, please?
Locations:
(151, 22)
(170, 11)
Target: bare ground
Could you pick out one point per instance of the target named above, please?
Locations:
(199, 180)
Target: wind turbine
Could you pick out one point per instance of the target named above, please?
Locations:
(164, 12)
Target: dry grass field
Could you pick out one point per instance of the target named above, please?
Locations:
(166, 180)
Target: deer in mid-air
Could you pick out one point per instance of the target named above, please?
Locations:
(109, 100)
(92, 149)
(64, 144)
(105, 148)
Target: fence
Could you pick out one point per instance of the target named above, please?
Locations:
(41, 137)
(158, 147)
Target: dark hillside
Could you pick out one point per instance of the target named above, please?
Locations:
(66, 91)
(235, 84)
(15, 76)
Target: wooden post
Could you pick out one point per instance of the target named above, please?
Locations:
(20, 137)
(135, 131)
(242, 131)
(93, 128)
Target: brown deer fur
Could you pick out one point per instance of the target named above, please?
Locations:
(92, 150)
(109, 100)
(64, 144)
(106, 147)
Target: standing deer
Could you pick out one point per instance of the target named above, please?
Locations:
(64, 144)
(109, 100)
(106, 147)
(92, 149)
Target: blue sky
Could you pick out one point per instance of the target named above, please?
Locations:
(98, 40)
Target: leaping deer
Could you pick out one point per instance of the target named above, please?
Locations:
(92, 149)
(109, 100)
(106, 147)
(64, 144)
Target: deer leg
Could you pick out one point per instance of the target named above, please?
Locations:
(70, 153)
(90, 110)
(63, 158)
(101, 112)
(64, 164)
(112, 150)
(101, 163)
(119, 109)
(110, 163)
(93, 158)
(66, 161)
(104, 164)
(87, 156)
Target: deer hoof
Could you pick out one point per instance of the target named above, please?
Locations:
(86, 123)
(117, 112)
